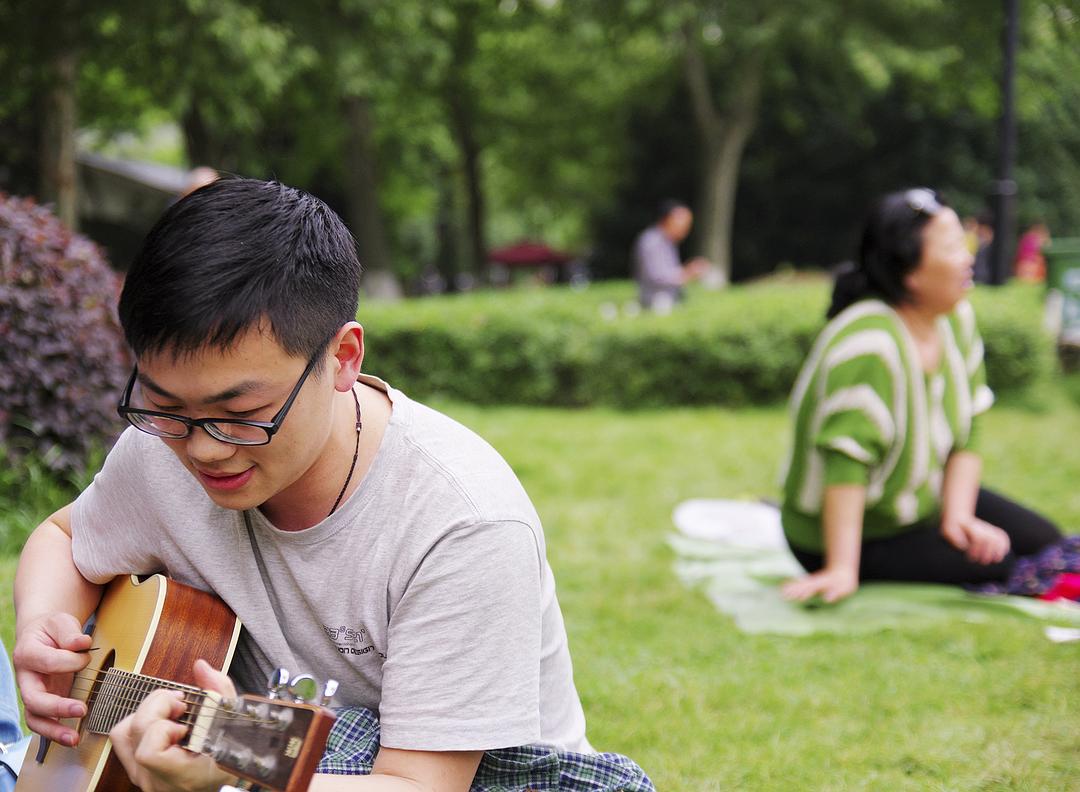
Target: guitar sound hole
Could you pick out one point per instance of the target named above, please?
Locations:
(95, 684)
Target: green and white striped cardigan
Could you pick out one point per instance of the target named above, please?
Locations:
(864, 412)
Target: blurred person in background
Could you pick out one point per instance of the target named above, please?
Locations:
(199, 177)
(1030, 264)
(984, 238)
(883, 478)
(659, 272)
(12, 741)
(971, 233)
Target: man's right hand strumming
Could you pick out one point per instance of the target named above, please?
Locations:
(48, 651)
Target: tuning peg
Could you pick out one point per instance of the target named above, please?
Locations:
(265, 765)
(303, 687)
(329, 689)
(277, 682)
(238, 757)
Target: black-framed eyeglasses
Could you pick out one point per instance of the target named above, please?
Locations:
(228, 430)
(923, 200)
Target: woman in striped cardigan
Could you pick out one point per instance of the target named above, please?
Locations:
(882, 481)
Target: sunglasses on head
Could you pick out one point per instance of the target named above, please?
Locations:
(923, 200)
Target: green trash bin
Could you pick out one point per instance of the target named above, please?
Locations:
(1063, 283)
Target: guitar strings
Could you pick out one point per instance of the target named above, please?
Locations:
(128, 690)
(136, 697)
(191, 720)
(194, 731)
(119, 693)
(129, 682)
(189, 717)
(220, 711)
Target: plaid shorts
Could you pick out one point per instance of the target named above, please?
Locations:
(354, 741)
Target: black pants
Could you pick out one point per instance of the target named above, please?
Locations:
(923, 554)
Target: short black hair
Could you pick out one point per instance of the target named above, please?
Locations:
(890, 248)
(667, 206)
(233, 254)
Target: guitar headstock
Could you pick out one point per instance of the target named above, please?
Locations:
(269, 741)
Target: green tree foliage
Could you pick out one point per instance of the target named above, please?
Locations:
(852, 105)
(212, 66)
(441, 127)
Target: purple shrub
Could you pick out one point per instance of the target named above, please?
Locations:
(63, 361)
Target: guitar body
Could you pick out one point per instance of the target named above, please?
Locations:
(156, 627)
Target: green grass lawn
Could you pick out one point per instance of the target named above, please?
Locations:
(669, 681)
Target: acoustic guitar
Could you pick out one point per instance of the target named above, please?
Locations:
(147, 635)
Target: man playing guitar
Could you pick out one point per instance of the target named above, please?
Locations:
(357, 534)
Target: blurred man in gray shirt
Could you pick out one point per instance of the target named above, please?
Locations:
(657, 267)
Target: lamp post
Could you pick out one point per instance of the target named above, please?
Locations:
(1003, 189)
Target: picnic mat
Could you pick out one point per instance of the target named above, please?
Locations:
(735, 552)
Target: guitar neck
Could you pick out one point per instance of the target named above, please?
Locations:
(119, 693)
(275, 743)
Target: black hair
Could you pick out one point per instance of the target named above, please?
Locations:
(232, 254)
(890, 248)
(667, 206)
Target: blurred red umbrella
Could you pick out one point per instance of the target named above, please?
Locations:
(529, 254)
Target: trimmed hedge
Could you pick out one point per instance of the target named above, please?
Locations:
(558, 346)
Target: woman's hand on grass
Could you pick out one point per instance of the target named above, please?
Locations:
(831, 584)
(981, 542)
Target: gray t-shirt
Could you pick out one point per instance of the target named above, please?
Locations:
(657, 268)
(427, 594)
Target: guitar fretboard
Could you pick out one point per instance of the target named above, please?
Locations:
(119, 694)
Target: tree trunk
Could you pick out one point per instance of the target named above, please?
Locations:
(723, 132)
(364, 217)
(461, 123)
(461, 111)
(197, 137)
(446, 253)
(57, 146)
(721, 157)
